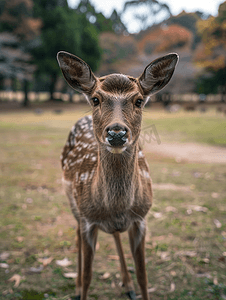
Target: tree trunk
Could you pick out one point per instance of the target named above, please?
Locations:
(1, 83)
(52, 85)
(25, 88)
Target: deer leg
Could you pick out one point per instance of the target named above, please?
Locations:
(126, 277)
(89, 238)
(79, 278)
(137, 244)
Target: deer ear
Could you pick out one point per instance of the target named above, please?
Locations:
(158, 73)
(76, 72)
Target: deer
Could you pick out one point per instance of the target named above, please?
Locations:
(105, 173)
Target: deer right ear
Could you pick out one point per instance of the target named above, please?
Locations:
(76, 72)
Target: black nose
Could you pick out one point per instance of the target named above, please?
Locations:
(116, 135)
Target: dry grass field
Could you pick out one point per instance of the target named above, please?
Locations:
(186, 238)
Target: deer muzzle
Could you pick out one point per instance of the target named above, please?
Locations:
(116, 137)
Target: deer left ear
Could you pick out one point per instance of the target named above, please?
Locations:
(158, 73)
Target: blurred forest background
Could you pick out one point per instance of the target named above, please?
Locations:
(184, 144)
(33, 31)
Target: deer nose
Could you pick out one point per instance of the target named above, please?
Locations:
(116, 135)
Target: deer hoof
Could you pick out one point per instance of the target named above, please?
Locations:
(131, 295)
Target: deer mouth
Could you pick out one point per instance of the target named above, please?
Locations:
(116, 150)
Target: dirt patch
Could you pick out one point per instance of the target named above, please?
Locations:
(188, 152)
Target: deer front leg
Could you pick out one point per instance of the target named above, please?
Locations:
(137, 245)
(79, 267)
(126, 277)
(89, 238)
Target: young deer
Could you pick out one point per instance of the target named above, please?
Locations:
(105, 174)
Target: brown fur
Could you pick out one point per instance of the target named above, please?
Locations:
(108, 186)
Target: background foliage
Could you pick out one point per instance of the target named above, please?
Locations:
(32, 32)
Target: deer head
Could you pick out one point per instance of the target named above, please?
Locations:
(117, 100)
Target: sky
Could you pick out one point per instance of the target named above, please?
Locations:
(176, 6)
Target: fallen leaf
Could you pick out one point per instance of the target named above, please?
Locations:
(214, 195)
(113, 257)
(165, 255)
(4, 265)
(16, 278)
(36, 270)
(4, 255)
(172, 287)
(205, 260)
(201, 275)
(106, 275)
(173, 273)
(171, 209)
(20, 239)
(45, 261)
(186, 253)
(64, 262)
(217, 223)
(71, 275)
(152, 290)
(157, 215)
(29, 200)
(198, 208)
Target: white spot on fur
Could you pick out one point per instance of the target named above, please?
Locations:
(140, 154)
(88, 135)
(144, 173)
(84, 176)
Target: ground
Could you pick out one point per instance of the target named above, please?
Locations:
(186, 238)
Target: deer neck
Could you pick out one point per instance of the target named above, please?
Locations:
(116, 176)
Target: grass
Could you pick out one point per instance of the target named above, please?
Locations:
(208, 128)
(185, 248)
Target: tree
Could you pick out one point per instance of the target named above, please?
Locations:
(147, 10)
(211, 55)
(99, 21)
(189, 21)
(63, 29)
(18, 28)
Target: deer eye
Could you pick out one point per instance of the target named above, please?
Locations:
(138, 103)
(96, 101)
